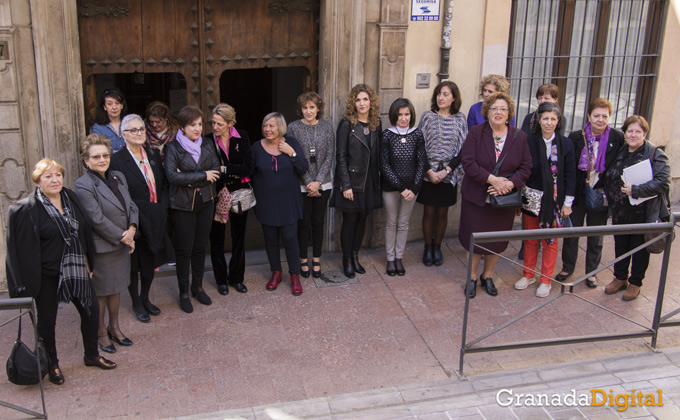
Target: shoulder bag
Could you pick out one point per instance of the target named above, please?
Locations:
(22, 364)
(511, 199)
(659, 246)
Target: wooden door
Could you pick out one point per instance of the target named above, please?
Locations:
(197, 38)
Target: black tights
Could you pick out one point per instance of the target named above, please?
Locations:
(352, 231)
(435, 219)
(138, 298)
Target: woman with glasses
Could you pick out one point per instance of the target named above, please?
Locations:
(114, 218)
(143, 170)
(192, 168)
(279, 162)
(485, 146)
(112, 108)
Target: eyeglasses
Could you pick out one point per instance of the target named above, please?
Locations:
(136, 131)
(98, 157)
(501, 110)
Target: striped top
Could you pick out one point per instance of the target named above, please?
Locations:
(444, 137)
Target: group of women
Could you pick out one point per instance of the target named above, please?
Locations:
(146, 179)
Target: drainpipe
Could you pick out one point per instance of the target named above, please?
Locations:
(446, 44)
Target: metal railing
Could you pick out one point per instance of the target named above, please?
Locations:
(567, 288)
(25, 306)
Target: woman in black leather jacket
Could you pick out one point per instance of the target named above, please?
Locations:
(357, 182)
(192, 167)
(636, 150)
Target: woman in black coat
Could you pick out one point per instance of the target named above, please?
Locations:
(591, 162)
(552, 182)
(45, 231)
(232, 147)
(143, 170)
(357, 166)
(192, 168)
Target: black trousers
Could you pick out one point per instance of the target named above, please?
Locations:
(192, 230)
(314, 213)
(593, 243)
(237, 263)
(640, 260)
(352, 231)
(47, 305)
(288, 235)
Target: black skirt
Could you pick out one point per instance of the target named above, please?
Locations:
(441, 195)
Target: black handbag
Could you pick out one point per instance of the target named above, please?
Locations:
(595, 198)
(22, 364)
(511, 199)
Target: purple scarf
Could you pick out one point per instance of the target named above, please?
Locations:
(596, 162)
(193, 147)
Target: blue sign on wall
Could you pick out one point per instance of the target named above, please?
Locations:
(425, 9)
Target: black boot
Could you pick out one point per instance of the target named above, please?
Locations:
(437, 257)
(355, 263)
(347, 268)
(428, 258)
(471, 288)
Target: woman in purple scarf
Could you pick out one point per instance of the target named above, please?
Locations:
(595, 147)
(192, 167)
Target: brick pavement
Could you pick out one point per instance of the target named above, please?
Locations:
(379, 347)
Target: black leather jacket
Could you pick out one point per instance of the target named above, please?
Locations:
(188, 183)
(353, 156)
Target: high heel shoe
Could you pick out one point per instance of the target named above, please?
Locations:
(303, 265)
(123, 342)
(471, 292)
(316, 273)
(201, 296)
(108, 349)
(347, 268)
(356, 265)
(487, 284)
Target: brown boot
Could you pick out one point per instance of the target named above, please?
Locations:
(615, 286)
(631, 292)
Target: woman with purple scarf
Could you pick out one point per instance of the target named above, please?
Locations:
(595, 147)
(192, 167)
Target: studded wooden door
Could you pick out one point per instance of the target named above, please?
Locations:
(199, 39)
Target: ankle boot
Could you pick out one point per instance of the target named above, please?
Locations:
(437, 257)
(355, 263)
(428, 257)
(471, 288)
(295, 285)
(347, 268)
(274, 281)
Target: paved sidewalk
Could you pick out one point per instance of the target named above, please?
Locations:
(487, 397)
(374, 347)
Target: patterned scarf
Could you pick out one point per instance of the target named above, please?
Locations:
(157, 141)
(148, 175)
(550, 215)
(596, 162)
(74, 281)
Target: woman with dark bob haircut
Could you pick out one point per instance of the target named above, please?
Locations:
(357, 179)
(444, 129)
(46, 233)
(112, 108)
(192, 168)
(402, 164)
(316, 138)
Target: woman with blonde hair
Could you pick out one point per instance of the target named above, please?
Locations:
(490, 84)
(357, 183)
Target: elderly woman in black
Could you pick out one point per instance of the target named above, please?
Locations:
(192, 167)
(143, 169)
(114, 218)
(316, 139)
(620, 194)
(47, 232)
(232, 147)
(403, 163)
(357, 183)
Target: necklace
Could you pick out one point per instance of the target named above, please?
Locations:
(403, 136)
(366, 131)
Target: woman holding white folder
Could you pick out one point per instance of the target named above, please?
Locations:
(636, 150)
